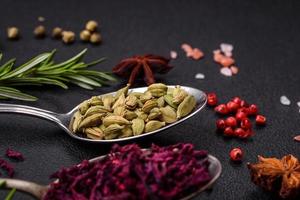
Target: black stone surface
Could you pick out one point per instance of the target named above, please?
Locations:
(265, 35)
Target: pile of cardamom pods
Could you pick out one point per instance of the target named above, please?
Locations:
(131, 113)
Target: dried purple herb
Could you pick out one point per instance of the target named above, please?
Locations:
(14, 154)
(7, 167)
(129, 172)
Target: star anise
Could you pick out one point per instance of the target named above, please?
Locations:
(274, 174)
(149, 64)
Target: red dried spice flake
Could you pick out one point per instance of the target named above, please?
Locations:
(14, 154)
(7, 167)
(131, 173)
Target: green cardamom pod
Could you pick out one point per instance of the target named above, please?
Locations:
(126, 132)
(83, 107)
(186, 106)
(158, 89)
(138, 126)
(113, 131)
(120, 101)
(131, 102)
(179, 95)
(160, 86)
(94, 133)
(170, 90)
(137, 94)
(96, 101)
(146, 96)
(149, 105)
(130, 115)
(122, 91)
(92, 120)
(141, 114)
(115, 119)
(77, 117)
(169, 100)
(160, 102)
(108, 100)
(158, 92)
(168, 114)
(154, 115)
(153, 125)
(96, 109)
(120, 110)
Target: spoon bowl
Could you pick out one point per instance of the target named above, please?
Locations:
(64, 120)
(38, 191)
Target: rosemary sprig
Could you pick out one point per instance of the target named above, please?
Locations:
(42, 70)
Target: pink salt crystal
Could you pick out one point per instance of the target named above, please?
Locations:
(197, 54)
(189, 53)
(186, 47)
(225, 71)
(228, 54)
(234, 69)
(226, 61)
(173, 54)
(217, 51)
(217, 56)
(199, 76)
(226, 47)
(297, 138)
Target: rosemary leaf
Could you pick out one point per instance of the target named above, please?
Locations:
(6, 67)
(15, 94)
(84, 80)
(42, 70)
(81, 84)
(74, 59)
(23, 68)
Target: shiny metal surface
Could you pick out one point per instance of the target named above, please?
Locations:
(38, 191)
(63, 120)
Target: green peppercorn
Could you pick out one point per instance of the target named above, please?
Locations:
(85, 35)
(57, 32)
(68, 37)
(13, 33)
(95, 38)
(40, 31)
(91, 25)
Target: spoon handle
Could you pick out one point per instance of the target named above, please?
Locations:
(14, 108)
(36, 190)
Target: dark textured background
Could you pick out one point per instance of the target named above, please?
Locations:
(266, 38)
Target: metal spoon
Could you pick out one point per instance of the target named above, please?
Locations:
(38, 191)
(63, 120)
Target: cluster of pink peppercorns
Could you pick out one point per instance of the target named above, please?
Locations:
(237, 124)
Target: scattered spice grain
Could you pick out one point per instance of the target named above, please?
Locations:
(68, 37)
(57, 32)
(85, 35)
(285, 101)
(40, 31)
(95, 38)
(12, 33)
(91, 25)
